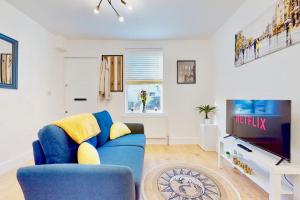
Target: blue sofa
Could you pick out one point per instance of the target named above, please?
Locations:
(56, 176)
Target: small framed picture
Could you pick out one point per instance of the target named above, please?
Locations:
(186, 72)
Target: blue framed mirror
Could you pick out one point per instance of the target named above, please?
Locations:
(9, 62)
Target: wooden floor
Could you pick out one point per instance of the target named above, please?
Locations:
(156, 155)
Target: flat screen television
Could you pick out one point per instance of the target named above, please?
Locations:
(263, 123)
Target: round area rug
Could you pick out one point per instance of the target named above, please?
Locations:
(185, 182)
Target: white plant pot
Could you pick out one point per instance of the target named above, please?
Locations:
(207, 121)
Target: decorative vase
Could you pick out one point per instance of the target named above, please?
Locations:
(207, 121)
(144, 108)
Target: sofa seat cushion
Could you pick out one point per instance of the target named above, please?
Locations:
(128, 140)
(130, 156)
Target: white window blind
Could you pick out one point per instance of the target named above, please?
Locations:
(144, 66)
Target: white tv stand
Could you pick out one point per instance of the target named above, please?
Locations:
(266, 174)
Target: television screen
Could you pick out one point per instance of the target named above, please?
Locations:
(263, 123)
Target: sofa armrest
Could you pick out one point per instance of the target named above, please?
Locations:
(136, 128)
(38, 154)
(76, 182)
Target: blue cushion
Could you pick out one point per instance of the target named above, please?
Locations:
(58, 147)
(128, 140)
(105, 122)
(130, 156)
(93, 141)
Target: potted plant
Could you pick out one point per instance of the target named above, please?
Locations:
(143, 98)
(206, 109)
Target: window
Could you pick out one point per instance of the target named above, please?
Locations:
(144, 72)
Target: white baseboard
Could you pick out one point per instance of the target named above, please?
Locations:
(173, 140)
(156, 141)
(15, 162)
(184, 140)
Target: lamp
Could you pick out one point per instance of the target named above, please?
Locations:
(97, 9)
(126, 4)
(120, 18)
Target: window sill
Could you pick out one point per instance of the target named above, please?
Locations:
(146, 115)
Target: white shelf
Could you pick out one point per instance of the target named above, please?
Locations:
(259, 177)
(262, 158)
(265, 172)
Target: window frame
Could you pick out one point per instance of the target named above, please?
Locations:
(126, 109)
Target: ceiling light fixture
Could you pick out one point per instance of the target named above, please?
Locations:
(124, 2)
(121, 19)
(97, 9)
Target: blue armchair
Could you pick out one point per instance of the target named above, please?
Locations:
(56, 176)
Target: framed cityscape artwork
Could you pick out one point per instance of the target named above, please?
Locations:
(276, 29)
(186, 72)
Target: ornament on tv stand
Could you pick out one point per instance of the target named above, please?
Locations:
(244, 166)
(228, 154)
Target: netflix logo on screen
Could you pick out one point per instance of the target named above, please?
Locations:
(252, 121)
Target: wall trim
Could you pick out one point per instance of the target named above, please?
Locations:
(157, 141)
(13, 163)
(184, 140)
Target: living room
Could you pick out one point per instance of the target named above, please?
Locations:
(145, 73)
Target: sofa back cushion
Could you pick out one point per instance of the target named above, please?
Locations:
(58, 147)
(105, 122)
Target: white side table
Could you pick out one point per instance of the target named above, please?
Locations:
(208, 137)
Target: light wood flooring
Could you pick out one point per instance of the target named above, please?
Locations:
(154, 156)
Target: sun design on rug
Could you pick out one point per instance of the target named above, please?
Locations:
(187, 184)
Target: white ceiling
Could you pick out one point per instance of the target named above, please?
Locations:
(149, 19)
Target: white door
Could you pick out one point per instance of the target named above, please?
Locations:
(81, 77)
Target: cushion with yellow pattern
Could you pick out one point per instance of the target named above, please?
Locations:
(87, 154)
(118, 129)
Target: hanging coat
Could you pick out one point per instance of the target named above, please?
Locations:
(105, 80)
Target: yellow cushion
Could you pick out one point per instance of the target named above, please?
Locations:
(79, 127)
(118, 129)
(87, 154)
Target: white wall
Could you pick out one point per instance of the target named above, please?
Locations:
(5, 47)
(275, 76)
(39, 99)
(181, 120)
